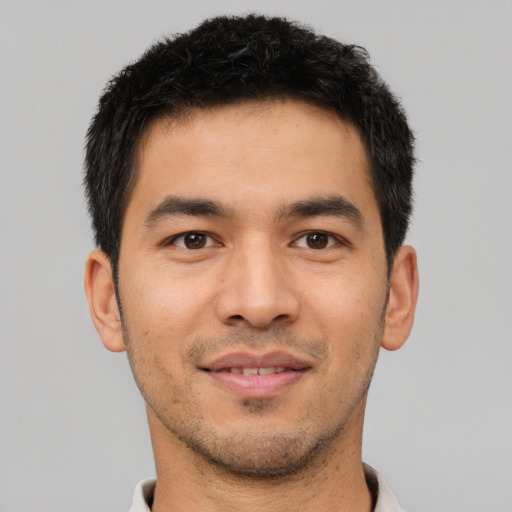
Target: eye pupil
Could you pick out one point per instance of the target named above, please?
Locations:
(317, 240)
(195, 241)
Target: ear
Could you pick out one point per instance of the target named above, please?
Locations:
(403, 294)
(100, 291)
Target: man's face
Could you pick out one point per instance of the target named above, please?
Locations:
(252, 277)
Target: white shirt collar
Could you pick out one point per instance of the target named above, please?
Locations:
(143, 495)
(386, 501)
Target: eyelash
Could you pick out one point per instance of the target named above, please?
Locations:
(183, 236)
(332, 240)
(209, 241)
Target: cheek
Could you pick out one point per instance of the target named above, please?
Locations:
(169, 306)
(347, 300)
(348, 313)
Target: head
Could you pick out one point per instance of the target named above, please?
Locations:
(249, 184)
(230, 60)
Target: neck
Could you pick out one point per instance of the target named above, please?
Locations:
(332, 481)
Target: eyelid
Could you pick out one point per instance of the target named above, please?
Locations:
(181, 236)
(334, 240)
(211, 240)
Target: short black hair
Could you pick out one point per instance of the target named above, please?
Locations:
(230, 59)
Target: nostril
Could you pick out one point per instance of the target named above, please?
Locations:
(258, 322)
(236, 319)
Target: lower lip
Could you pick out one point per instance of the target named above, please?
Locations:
(256, 386)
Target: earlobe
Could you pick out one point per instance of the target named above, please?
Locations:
(100, 292)
(403, 294)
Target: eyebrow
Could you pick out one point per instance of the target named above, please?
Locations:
(336, 206)
(174, 205)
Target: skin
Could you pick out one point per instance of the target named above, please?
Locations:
(261, 277)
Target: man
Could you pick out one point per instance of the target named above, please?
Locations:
(250, 189)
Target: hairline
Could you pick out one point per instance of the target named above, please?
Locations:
(186, 112)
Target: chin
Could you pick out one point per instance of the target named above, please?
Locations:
(263, 454)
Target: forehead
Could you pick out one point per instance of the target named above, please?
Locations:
(250, 154)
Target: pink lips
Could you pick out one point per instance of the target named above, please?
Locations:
(256, 376)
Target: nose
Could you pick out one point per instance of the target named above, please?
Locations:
(256, 289)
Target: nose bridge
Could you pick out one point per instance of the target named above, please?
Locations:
(257, 289)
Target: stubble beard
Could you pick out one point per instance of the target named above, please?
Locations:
(256, 454)
(250, 454)
(262, 456)
(263, 453)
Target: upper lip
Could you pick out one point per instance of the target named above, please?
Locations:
(248, 360)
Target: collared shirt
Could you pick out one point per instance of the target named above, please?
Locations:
(386, 501)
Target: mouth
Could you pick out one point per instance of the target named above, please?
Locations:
(256, 376)
(269, 370)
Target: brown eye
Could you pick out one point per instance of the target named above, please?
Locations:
(317, 240)
(192, 240)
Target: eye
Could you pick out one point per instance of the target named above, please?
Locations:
(192, 240)
(316, 240)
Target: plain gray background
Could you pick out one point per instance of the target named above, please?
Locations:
(73, 433)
